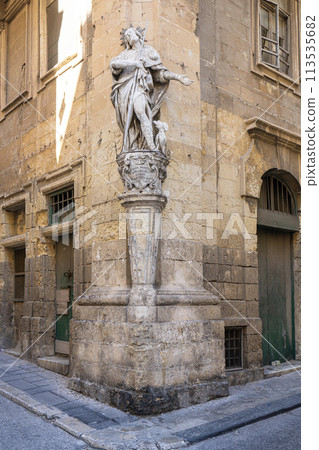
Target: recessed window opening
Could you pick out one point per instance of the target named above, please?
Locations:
(234, 347)
(61, 206)
(274, 45)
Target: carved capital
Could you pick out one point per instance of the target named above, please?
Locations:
(2, 25)
(142, 171)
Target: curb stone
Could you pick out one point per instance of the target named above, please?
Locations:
(73, 426)
(240, 419)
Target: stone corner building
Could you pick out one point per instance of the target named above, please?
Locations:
(228, 263)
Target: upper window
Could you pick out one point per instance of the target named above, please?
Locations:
(59, 23)
(61, 206)
(15, 54)
(274, 36)
(60, 31)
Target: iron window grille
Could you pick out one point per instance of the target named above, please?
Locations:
(234, 348)
(274, 39)
(61, 206)
(276, 196)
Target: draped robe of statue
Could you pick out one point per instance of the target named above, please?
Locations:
(152, 85)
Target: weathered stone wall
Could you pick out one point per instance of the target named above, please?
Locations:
(118, 362)
(34, 156)
(232, 92)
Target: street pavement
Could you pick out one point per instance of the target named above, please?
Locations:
(249, 407)
(22, 430)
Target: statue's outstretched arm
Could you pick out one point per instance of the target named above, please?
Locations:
(119, 64)
(175, 76)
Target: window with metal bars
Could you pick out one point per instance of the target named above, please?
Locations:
(276, 196)
(61, 206)
(234, 347)
(274, 45)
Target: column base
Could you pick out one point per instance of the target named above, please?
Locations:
(153, 400)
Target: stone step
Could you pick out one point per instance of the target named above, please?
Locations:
(12, 352)
(282, 369)
(58, 364)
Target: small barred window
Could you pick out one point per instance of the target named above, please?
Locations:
(233, 348)
(62, 206)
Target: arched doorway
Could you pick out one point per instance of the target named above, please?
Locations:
(277, 221)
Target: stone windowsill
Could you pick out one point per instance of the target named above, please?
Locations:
(13, 241)
(58, 229)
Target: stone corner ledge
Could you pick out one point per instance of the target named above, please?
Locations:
(191, 297)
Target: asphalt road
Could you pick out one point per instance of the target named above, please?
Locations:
(282, 432)
(22, 430)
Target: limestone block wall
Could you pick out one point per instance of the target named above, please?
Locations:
(164, 375)
(233, 89)
(39, 153)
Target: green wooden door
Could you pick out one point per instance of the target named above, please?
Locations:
(64, 295)
(276, 293)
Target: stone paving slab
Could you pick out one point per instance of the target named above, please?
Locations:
(102, 426)
(49, 398)
(50, 388)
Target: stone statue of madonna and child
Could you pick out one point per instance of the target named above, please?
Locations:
(140, 82)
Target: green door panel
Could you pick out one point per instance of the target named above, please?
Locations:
(275, 294)
(62, 328)
(64, 281)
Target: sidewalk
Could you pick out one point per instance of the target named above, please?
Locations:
(46, 393)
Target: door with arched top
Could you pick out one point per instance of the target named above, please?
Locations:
(277, 221)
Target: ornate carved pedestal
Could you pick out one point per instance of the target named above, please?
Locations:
(143, 173)
(143, 232)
